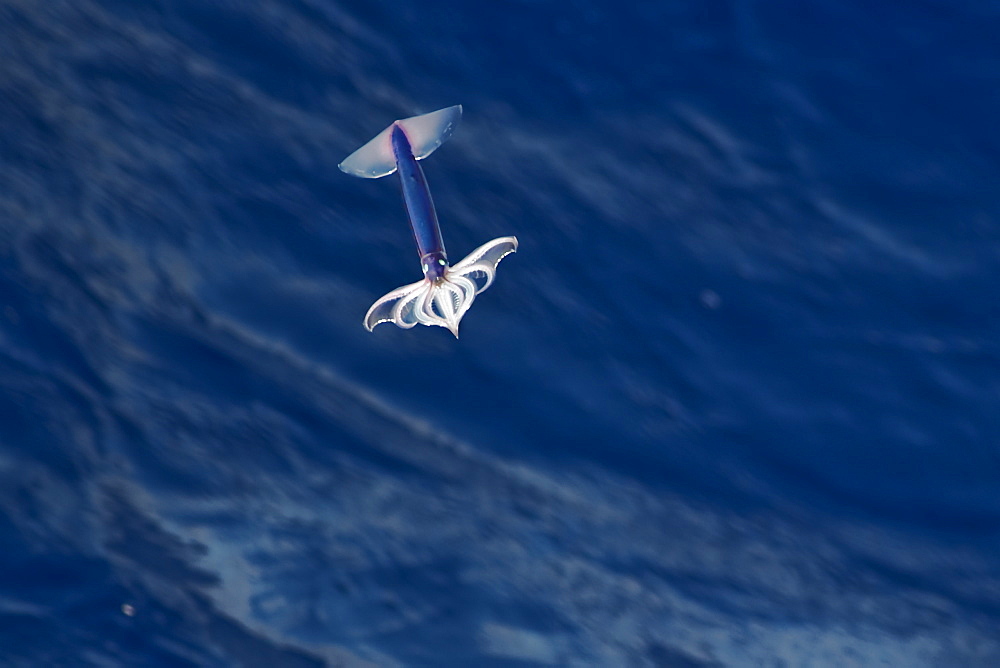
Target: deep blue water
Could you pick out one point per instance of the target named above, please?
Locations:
(735, 401)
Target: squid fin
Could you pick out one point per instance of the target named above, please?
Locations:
(425, 133)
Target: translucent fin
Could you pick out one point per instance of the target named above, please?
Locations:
(425, 133)
(373, 160)
(429, 131)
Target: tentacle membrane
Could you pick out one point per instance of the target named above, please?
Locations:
(442, 302)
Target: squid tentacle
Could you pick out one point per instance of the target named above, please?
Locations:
(444, 301)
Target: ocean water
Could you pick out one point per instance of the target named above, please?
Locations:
(734, 402)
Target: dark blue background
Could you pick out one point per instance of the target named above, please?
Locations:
(734, 402)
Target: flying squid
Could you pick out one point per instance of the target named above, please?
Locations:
(446, 291)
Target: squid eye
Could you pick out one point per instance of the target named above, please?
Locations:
(442, 262)
(426, 267)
